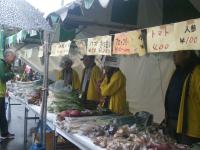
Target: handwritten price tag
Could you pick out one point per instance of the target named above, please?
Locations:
(127, 43)
(81, 44)
(60, 49)
(100, 45)
(188, 35)
(121, 44)
(161, 39)
(136, 43)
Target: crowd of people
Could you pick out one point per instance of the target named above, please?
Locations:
(97, 89)
(107, 88)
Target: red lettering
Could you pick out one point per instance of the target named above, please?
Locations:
(161, 47)
(152, 34)
(155, 46)
(160, 32)
(166, 46)
(191, 40)
(121, 50)
(195, 39)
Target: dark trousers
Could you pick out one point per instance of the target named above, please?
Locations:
(3, 120)
(90, 104)
(180, 138)
(171, 129)
(189, 140)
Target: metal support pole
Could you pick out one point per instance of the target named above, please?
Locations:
(54, 140)
(9, 109)
(45, 86)
(25, 126)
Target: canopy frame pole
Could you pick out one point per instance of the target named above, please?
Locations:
(46, 48)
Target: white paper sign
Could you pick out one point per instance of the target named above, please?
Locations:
(81, 44)
(100, 45)
(60, 49)
(127, 43)
(40, 51)
(188, 35)
(137, 42)
(161, 39)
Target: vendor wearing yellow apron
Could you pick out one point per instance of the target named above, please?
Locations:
(192, 130)
(113, 88)
(69, 75)
(90, 78)
(188, 124)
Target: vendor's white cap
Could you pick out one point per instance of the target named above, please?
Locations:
(65, 59)
(9, 51)
(111, 61)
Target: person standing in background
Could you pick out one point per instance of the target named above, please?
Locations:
(188, 124)
(5, 75)
(184, 128)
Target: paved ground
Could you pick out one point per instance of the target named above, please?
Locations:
(17, 126)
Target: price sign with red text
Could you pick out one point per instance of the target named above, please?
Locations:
(100, 45)
(127, 43)
(187, 35)
(161, 39)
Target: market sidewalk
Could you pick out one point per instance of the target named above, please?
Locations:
(16, 126)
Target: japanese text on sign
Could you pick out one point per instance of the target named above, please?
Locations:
(129, 43)
(161, 39)
(81, 44)
(187, 35)
(99, 45)
(60, 49)
(121, 44)
(136, 42)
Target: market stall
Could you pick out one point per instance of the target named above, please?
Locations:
(146, 83)
(109, 131)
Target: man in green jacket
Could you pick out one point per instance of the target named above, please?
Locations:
(5, 75)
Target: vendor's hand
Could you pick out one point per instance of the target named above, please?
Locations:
(101, 100)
